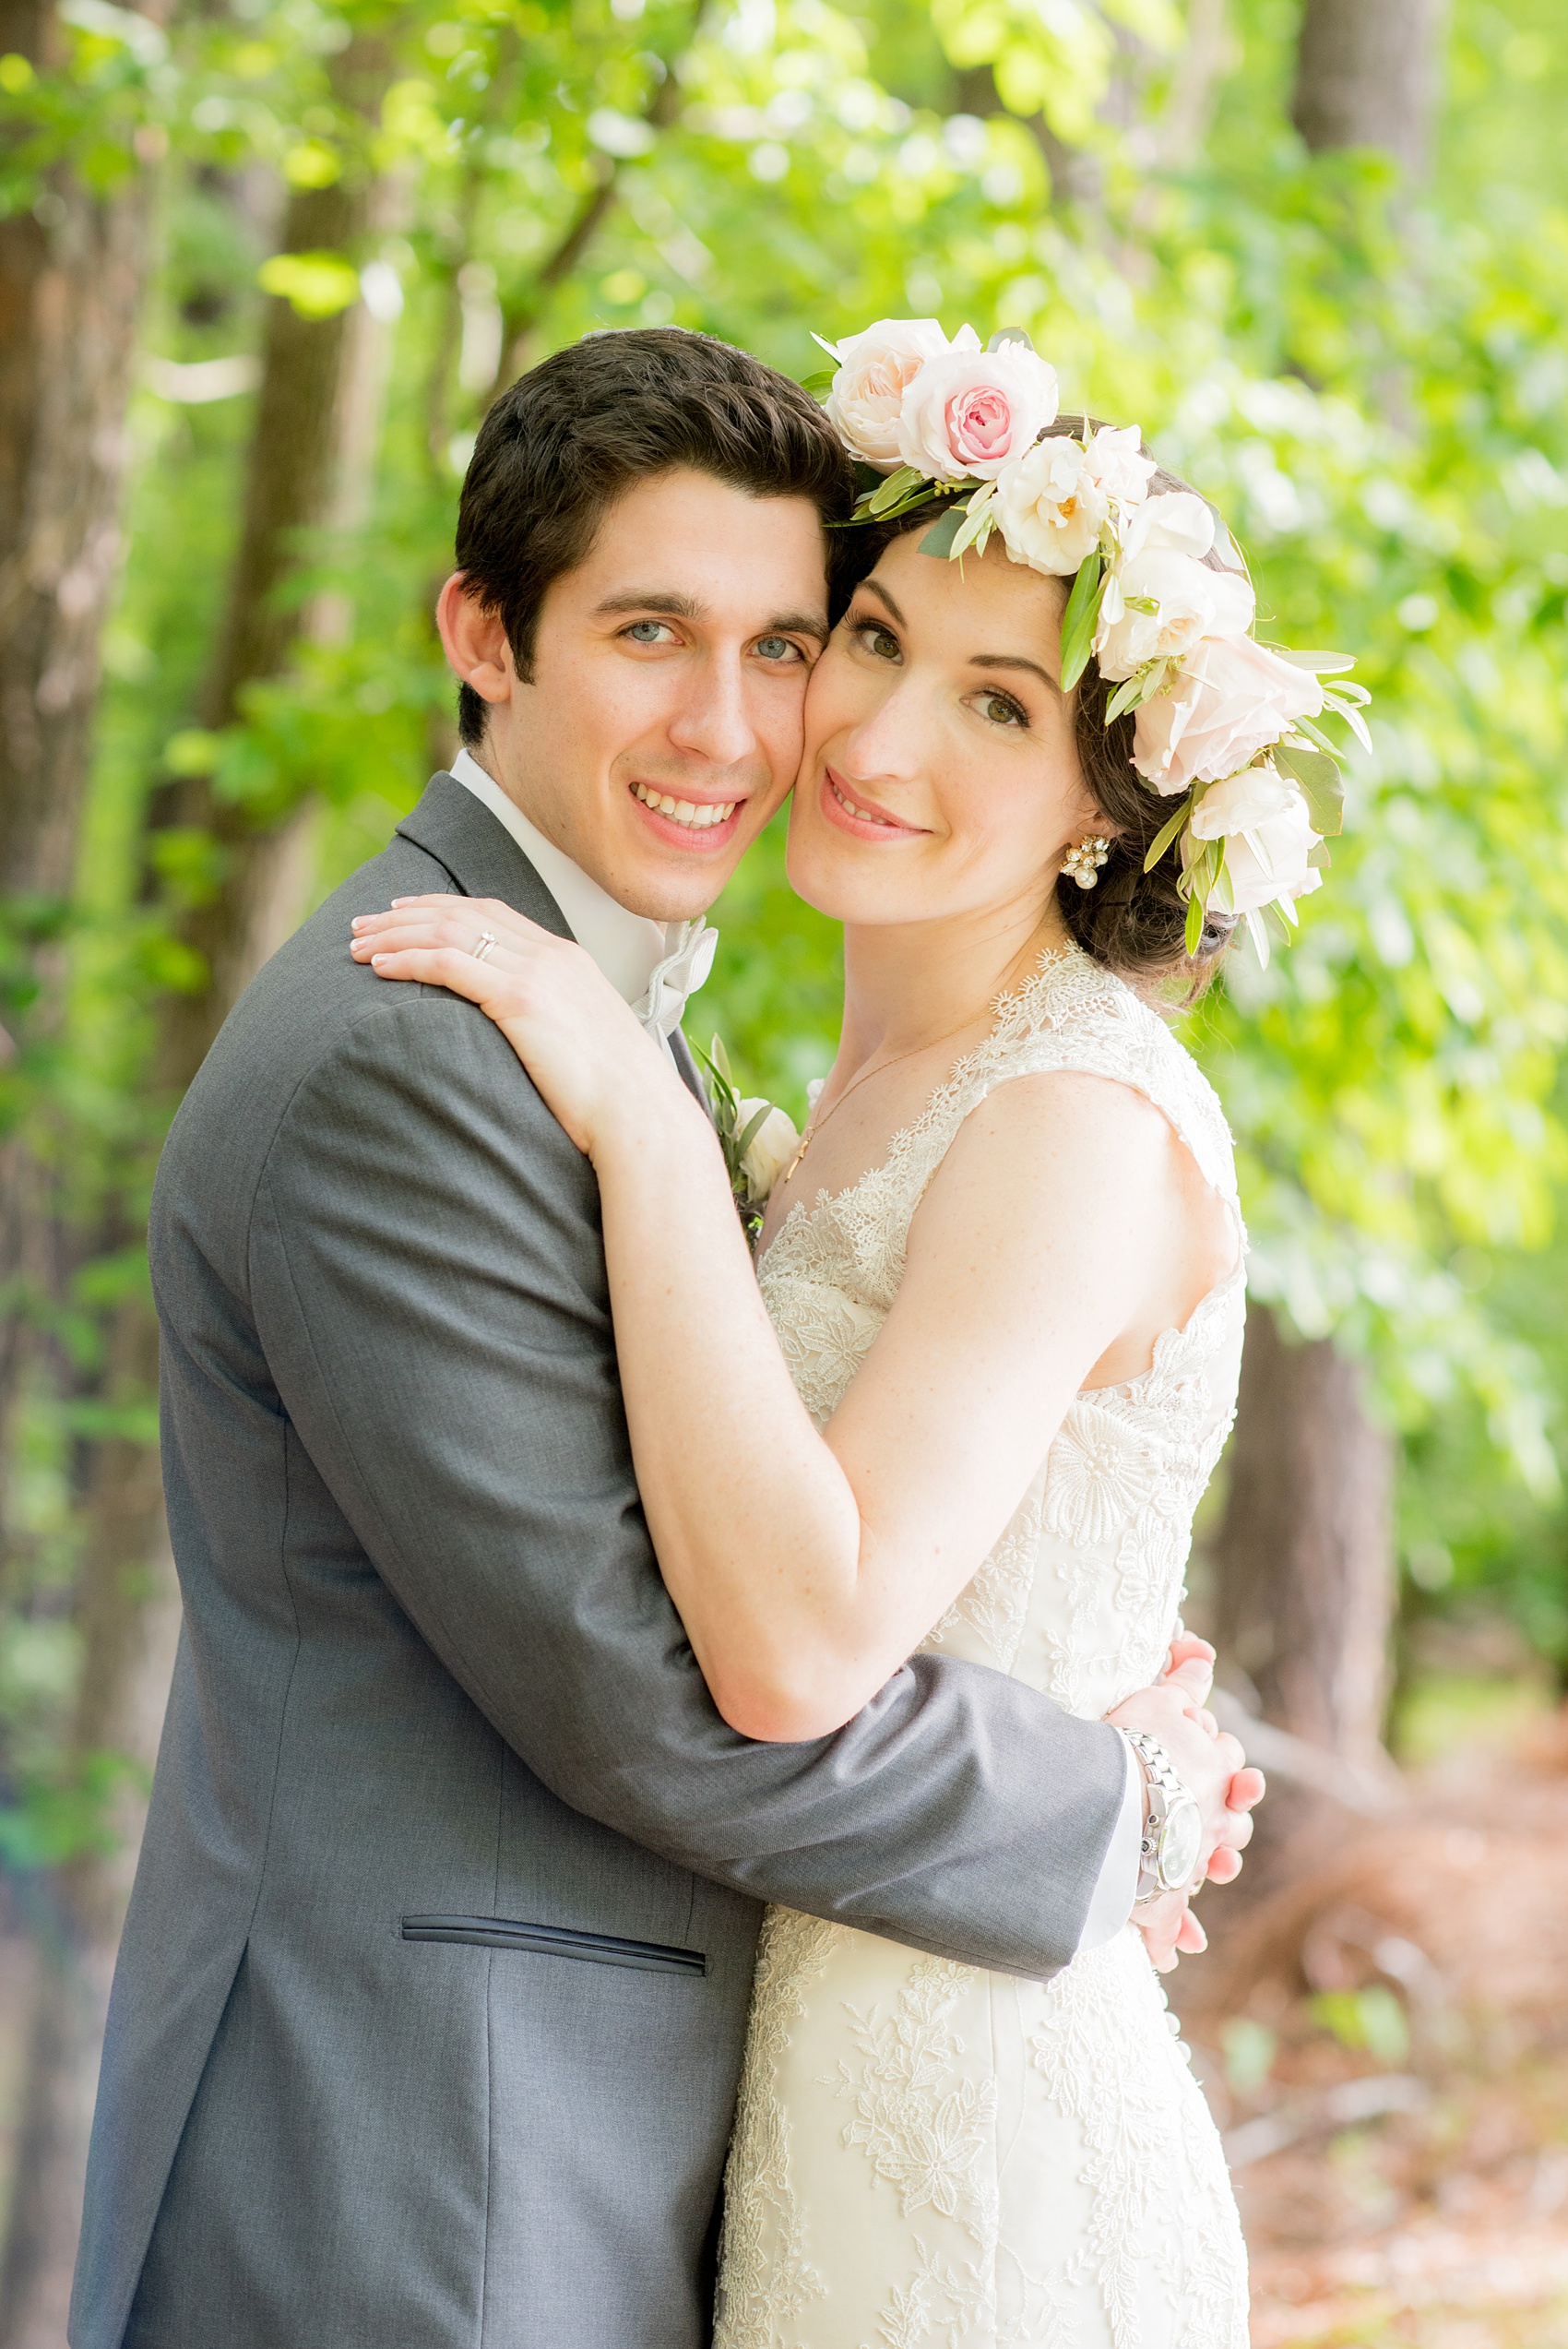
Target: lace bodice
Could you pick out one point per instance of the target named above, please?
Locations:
(925, 2157)
(1113, 1501)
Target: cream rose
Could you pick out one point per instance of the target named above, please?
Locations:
(769, 1150)
(1114, 465)
(1049, 509)
(875, 369)
(1162, 600)
(1232, 698)
(972, 412)
(1268, 838)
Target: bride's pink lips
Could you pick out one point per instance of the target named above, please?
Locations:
(836, 800)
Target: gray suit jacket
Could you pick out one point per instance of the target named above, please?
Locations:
(433, 1991)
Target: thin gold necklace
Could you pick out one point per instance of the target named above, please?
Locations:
(815, 1124)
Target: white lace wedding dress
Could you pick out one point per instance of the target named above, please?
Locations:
(927, 2156)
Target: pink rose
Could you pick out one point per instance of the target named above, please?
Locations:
(875, 369)
(971, 410)
(1230, 700)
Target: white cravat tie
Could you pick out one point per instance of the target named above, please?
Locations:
(662, 1006)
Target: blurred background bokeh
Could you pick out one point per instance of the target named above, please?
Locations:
(263, 263)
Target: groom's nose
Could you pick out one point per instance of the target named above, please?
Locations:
(711, 720)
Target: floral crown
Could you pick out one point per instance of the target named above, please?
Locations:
(1224, 722)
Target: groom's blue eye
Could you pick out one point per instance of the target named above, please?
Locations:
(778, 648)
(646, 631)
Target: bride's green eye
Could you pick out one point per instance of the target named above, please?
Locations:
(1000, 709)
(880, 642)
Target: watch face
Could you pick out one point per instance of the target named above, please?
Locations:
(1179, 1842)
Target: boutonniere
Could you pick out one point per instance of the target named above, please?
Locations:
(757, 1137)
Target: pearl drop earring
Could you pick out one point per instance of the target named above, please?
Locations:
(1083, 861)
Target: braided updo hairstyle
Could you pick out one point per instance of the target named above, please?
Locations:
(1133, 922)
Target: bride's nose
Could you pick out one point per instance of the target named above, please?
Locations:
(888, 745)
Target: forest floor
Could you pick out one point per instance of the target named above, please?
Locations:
(1384, 2038)
(1384, 2041)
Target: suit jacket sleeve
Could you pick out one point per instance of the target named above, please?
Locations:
(428, 1282)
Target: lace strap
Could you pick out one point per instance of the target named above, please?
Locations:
(1072, 1015)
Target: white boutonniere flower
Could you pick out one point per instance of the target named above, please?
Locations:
(758, 1138)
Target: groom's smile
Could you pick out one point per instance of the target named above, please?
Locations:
(657, 724)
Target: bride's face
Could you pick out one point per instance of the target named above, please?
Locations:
(940, 775)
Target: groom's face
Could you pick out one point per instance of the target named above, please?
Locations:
(662, 725)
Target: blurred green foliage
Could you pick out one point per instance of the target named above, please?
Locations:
(1371, 385)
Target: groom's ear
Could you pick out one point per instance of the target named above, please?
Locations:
(474, 640)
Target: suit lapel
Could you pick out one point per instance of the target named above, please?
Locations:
(483, 860)
(479, 852)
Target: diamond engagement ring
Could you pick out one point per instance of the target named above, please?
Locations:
(486, 946)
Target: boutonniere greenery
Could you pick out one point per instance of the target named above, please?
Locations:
(757, 1137)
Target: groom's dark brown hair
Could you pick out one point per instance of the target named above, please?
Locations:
(568, 438)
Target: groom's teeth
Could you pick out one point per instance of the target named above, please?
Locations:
(698, 815)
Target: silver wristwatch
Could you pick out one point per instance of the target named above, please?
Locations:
(1172, 1823)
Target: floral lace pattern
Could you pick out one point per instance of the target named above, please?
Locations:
(926, 2156)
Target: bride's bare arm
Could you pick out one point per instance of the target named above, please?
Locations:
(805, 1567)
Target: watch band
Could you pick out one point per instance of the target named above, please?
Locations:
(1165, 1789)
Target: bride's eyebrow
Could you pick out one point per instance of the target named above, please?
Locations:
(1010, 661)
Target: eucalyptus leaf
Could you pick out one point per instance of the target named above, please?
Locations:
(1320, 785)
(1010, 334)
(1321, 664)
(939, 539)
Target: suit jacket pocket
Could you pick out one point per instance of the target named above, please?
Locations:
(555, 1941)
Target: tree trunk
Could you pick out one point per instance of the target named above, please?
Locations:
(1304, 1565)
(72, 273)
(318, 395)
(1366, 75)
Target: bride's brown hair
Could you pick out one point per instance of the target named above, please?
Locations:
(1133, 922)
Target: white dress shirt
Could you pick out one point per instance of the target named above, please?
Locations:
(655, 967)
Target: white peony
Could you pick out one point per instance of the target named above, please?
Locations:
(1162, 600)
(1049, 508)
(1115, 466)
(1269, 837)
(769, 1150)
(972, 412)
(1230, 700)
(875, 369)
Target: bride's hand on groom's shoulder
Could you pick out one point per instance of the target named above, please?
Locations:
(591, 1057)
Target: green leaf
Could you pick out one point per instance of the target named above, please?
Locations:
(894, 488)
(822, 381)
(1318, 858)
(1320, 785)
(1195, 923)
(939, 539)
(1010, 334)
(1167, 833)
(750, 1129)
(1079, 620)
(1127, 695)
